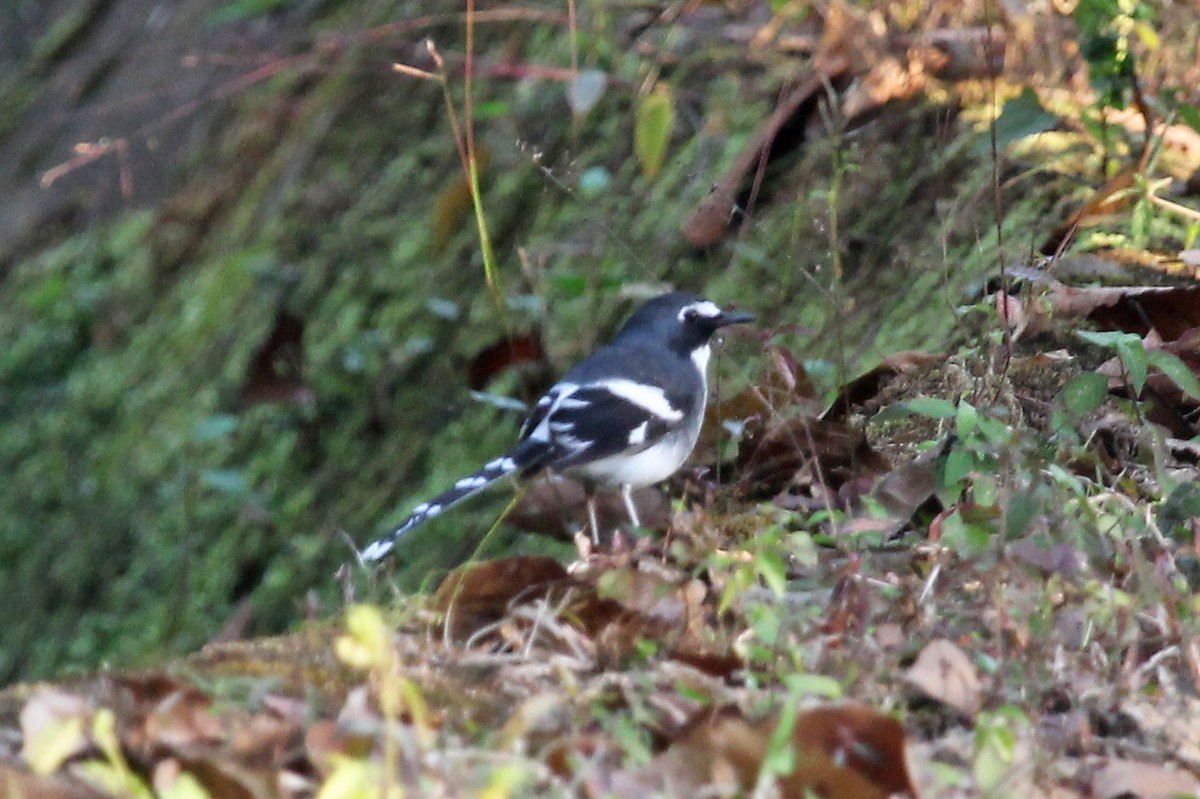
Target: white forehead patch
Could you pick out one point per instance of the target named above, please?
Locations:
(704, 308)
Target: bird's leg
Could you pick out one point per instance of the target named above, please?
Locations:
(627, 495)
(590, 497)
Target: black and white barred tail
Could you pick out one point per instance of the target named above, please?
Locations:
(521, 459)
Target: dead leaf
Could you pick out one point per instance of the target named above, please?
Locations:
(19, 783)
(866, 387)
(943, 672)
(481, 593)
(806, 455)
(184, 718)
(524, 352)
(276, 369)
(452, 207)
(708, 222)
(839, 752)
(1169, 310)
(1121, 778)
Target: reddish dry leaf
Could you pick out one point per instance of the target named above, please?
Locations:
(514, 352)
(276, 369)
(226, 777)
(1120, 778)
(1169, 310)
(812, 455)
(481, 593)
(326, 739)
(182, 719)
(840, 752)
(1112, 197)
(902, 492)
(867, 387)
(943, 672)
(708, 222)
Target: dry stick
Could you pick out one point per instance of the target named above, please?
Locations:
(996, 204)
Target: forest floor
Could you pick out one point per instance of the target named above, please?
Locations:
(969, 571)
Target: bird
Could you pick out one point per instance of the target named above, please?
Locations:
(626, 416)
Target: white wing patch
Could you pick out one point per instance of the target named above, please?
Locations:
(650, 398)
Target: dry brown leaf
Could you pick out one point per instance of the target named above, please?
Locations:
(1169, 310)
(524, 352)
(20, 784)
(708, 222)
(1174, 721)
(276, 369)
(1121, 778)
(944, 672)
(841, 752)
(867, 386)
(184, 718)
(481, 593)
(808, 453)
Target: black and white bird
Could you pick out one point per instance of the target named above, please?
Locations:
(626, 416)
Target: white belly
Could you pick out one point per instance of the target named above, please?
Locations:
(652, 465)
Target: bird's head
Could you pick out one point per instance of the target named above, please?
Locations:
(684, 321)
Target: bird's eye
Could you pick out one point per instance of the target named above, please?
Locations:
(690, 315)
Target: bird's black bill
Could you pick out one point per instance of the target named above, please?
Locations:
(733, 318)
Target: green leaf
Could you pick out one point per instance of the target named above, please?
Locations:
(655, 118)
(49, 748)
(1129, 349)
(813, 685)
(1139, 223)
(773, 571)
(1085, 393)
(932, 407)
(958, 465)
(966, 419)
(1133, 355)
(225, 481)
(1105, 338)
(1189, 114)
(1174, 368)
(1182, 505)
(214, 427)
(1020, 512)
(1022, 116)
(244, 9)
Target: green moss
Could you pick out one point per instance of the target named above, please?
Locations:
(145, 501)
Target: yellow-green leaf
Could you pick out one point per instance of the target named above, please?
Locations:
(655, 118)
(113, 780)
(185, 786)
(50, 746)
(367, 643)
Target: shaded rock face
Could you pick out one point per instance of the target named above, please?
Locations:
(103, 100)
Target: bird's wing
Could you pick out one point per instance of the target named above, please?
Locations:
(588, 421)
